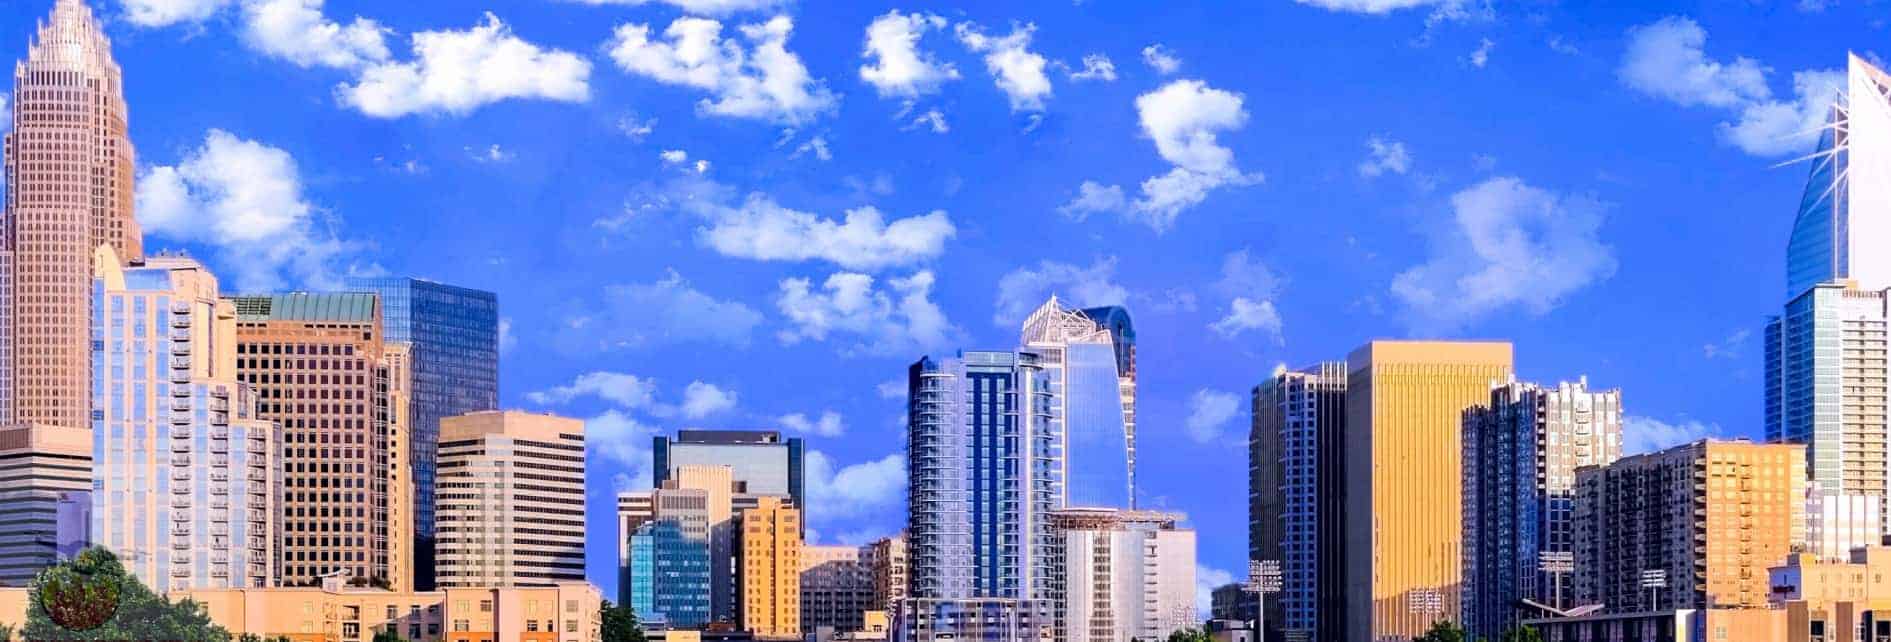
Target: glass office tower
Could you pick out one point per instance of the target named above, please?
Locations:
(1826, 353)
(768, 463)
(1091, 374)
(454, 336)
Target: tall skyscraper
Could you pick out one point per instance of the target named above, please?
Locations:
(764, 461)
(452, 335)
(1121, 575)
(1521, 453)
(511, 499)
(717, 485)
(316, 362)
(185, 474)
(982, 463)
(394, 382)
(1826, 359)
(1296, 505)
(1709, 517)
(1403, 479)
(982, 460)
(768, 575)
(69, 169)
(42, 466)
(1093, 400)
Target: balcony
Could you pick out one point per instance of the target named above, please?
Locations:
(180, 432)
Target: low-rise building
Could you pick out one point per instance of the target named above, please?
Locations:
(1682, 625)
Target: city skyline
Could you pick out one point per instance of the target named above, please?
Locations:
(1216, 311)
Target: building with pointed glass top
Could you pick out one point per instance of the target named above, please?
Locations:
(1089, 357)
(1826, 353)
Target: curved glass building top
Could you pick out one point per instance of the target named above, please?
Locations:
(1844, 216)
(1095, 435)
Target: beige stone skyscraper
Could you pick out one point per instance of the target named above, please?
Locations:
(511, 500)
(69, 165)
(1403, 480)
(317, 364)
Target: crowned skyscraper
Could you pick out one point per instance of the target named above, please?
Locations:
(69, 165)
(1089, 356)
(1826, 355)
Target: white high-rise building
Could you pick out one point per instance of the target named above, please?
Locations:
(1826, 357)
(1121, 575)
(510, 496)
(1836, 524)
(1089, 356)
(186, 476)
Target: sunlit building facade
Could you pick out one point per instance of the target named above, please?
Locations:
(1707, 518)
(185, 473)
(46, 467)
(1119, 575)
(1403, 480)
(69, 173)
(768, 570)
(511, 500)
(1521, 452)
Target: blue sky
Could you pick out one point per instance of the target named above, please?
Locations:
(753, 231)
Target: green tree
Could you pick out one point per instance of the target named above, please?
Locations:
(619, 624)
(6, 632)
(1443, 631)
(1521, 634)
(1190, 635)
(93, 586)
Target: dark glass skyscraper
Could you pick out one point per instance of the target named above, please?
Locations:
(454, 334)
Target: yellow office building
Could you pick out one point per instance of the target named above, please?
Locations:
(1403, 526)
(769, 576)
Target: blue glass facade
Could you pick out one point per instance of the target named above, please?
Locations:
(983, 469)
(454, 334)
(669, 574)
(1097, 443)
(770, 464)
(1816, 251)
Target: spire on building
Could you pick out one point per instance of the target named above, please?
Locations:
(1845, 212)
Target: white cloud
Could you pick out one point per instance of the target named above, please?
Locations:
(507, 341)
(761, 229)
(1018, 71)
(1376, 7)
(891, 389)
(856, 490)
(828, 425)
(1729, 348)
(762, 82)
(1161, 59)
(1096, 66)
(1667, 59)
(704, 399)
(1509, 244)
(663, 312)
(816, 145)
(899, 318)
(1207, 579)
(492, 154)
(1023, 289)
(898, 68)
(623, 439)
(1646, 434)
(456, 72)
(163, 13)
(244, 199)
(933, 120)
(1183, 118)
(635, 128)
(698, 7)
(295, 31)
(674, 156)
(1208, 412)
(1251, 288)
(1384, 156)
(625, 390)
(1481, 55)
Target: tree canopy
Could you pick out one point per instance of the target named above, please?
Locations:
(92, 597)
(620, 624)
